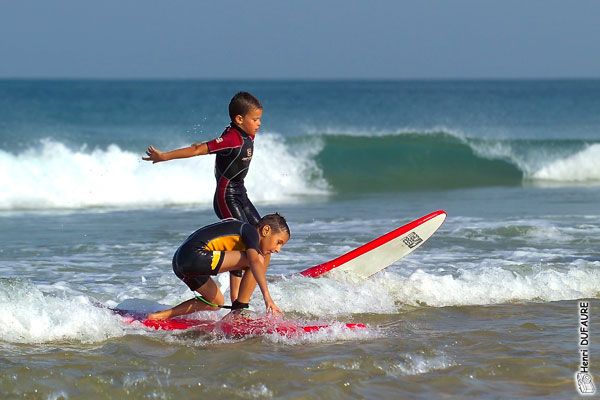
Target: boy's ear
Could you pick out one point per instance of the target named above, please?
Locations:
(238, 119)
(265, 230)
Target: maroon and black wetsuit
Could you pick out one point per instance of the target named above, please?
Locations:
(234, 150)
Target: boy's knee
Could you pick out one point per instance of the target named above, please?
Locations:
(218, 299)
(221, 298)
(202, 300)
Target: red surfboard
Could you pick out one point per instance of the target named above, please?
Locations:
(236, 325)
(378, 254)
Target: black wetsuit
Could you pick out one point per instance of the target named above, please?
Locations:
(201, 254)
(234, 149)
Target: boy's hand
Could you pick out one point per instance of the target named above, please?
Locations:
(153, 155)
(272, 308)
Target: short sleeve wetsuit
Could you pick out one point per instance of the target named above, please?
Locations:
(201, 255)
(234, 149)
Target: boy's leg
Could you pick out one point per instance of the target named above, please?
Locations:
(234, 286)
(252, 215)
(247, 286)
(232, 260)
(241, 208)
(210, 291)
(248, 283)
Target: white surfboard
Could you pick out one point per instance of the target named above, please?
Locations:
(378, 254)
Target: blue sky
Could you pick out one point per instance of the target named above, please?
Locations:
(299, 39)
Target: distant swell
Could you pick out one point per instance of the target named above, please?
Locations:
(445, 160)
(409, 161)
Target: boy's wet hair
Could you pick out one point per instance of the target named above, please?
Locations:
(242, 103)
(276, 221)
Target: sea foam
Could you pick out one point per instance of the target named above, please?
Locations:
(53, 176)
(494, 285)
(583, 166)
(32, 316)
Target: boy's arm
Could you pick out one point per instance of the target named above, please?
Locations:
(257, 266)
(154, 155)
(243, 294)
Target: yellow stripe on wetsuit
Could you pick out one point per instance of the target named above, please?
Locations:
(216, 256)
(224, 243)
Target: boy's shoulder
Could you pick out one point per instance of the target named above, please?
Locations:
(230, 138)
(231, 131)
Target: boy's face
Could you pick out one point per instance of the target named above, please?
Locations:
(249, 122)
(270, 241)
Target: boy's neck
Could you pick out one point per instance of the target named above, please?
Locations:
(237, 127)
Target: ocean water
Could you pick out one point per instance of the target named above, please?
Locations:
(490, 307)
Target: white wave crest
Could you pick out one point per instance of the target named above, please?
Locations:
(583, 166)
(52, 176)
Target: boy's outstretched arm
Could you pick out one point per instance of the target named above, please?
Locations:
(154, 155)
(257, 266)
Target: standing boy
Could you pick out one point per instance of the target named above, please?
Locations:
(234, 150)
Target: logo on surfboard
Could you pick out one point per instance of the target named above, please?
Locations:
(412, 240)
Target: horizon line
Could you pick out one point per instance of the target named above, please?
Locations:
(302, 79)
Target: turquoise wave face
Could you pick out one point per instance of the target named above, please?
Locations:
(408, 162)
(441, 160)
